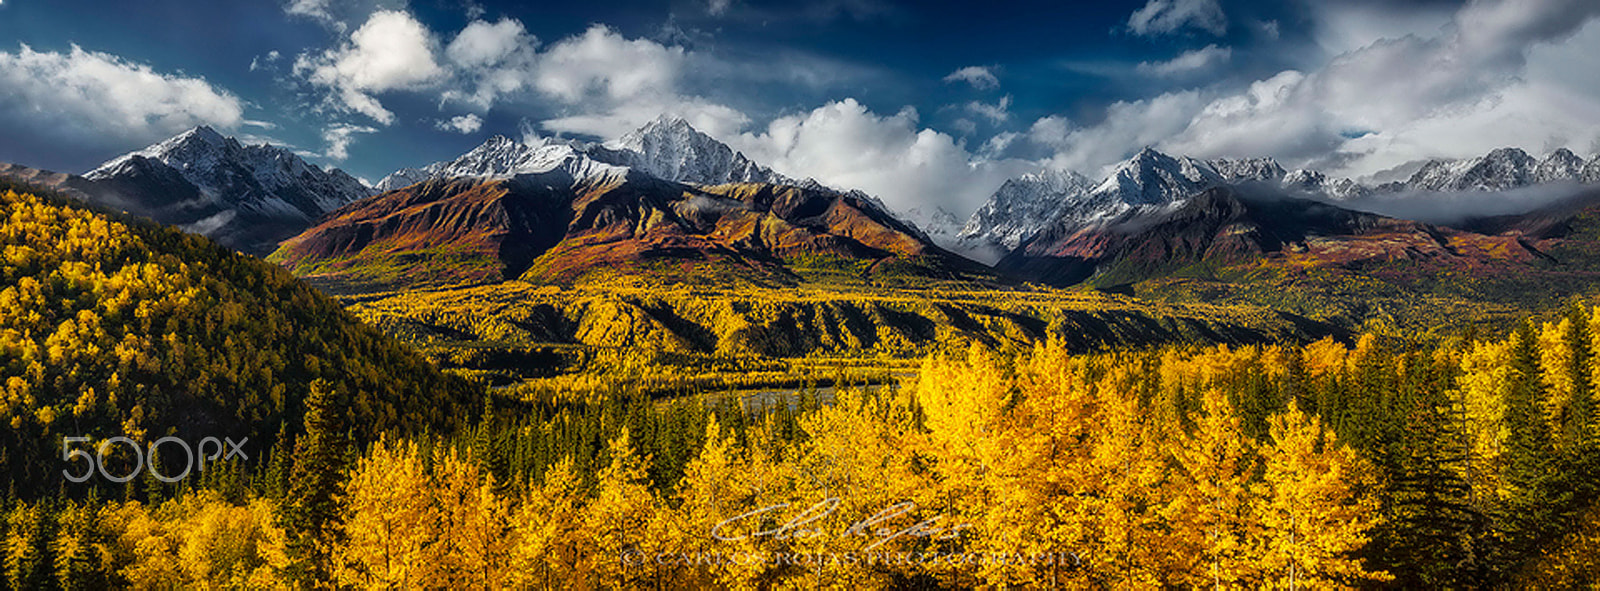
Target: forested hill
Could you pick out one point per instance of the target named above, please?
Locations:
(111, 327)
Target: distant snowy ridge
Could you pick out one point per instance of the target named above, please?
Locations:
(246, 197)
(259, 178)
(667, 148)
(1150, 180)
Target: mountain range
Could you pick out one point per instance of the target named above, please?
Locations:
(673, 188)
(1152, 182)
(667, 148)
(567, 212)
(246, 197)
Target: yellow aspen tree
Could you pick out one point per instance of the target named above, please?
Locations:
(1556, 371)
(618, 550)
(152, 554)
(1316, 508)
(1485, 381)
(854, 462)
(1594, 345)
(219, 545)
(474, 523)
(1366, 347)
(390, 527)
(774, 477)
(715, 487)
(273, 549)
(1210, 503)
(1126, 469)
(963, 401)
(1039, 508)
(547, 527)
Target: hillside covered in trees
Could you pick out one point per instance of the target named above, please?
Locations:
(1382, 465)
(1008, 454)
(114, 328)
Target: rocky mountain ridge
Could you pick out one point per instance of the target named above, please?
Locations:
(1150, 181)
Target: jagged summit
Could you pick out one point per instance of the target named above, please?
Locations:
(671, 148)
(245, 196)
(1560, 166)
(1149, 178)
(668, 148)
(1501, 169)
(503, 157)
(1021, 203)
(1239, 170)
(663, 126)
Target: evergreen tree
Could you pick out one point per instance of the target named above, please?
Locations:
(310, 512)
(1432, 538)
(1579, 439)
(1532, 470)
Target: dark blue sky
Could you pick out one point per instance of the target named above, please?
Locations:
(924, 102)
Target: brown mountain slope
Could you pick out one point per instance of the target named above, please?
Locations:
(1222, 227)
(1328, 263)
(582, 225)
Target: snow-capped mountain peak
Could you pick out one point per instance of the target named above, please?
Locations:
(1560, 166)
(503, 157)
(233, 186)
(1501, 169)
(258, 177)
(1022, 206)
(671, 148)
(1248, 169)
(1151, 177)
(667, 148)
(1151, 180)
(663, 128)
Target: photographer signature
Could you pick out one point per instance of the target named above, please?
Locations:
(805, 524)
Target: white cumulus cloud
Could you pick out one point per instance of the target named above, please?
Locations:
(491, 61)
(1500, 73)
(318, 10)
(102, 99)
(603, 64)
(979, 77)
(1160, 17)
(462, 124)
(391, 51)
(846, 145)
(997, 113)
(484, 44)
(615, 84)
(339, 137)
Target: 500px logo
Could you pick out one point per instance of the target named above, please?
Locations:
(194, 460)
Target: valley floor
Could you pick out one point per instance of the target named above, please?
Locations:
(683, 339)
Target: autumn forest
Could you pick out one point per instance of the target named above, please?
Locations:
(1379, 458)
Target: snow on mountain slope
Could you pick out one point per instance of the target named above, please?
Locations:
(671, 149)
(1502, 169)
(260, 178)
(667, 148)
(1021, 207)
(1151, 180)
(1561, 166)
(245, 197)
(1241, 170)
